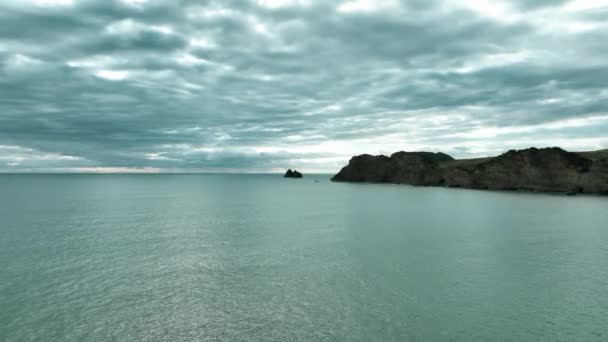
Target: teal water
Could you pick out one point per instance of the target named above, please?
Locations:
(262, 258)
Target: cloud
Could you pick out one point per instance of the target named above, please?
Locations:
(242, 85)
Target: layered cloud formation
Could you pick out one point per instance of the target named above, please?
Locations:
(257, 86)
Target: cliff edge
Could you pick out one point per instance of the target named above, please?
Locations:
(532, 169)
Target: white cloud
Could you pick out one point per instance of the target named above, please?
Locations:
(130, 26)
(586, 5)
(494, 60)
(54, 3)
(188, 59)
(158, 156)
(273, 4)
(367, 5)
(498, 10)
(19, 62)
(14, 155)
(494, 132)
(96, 62)
(112, 75)
(135, 3)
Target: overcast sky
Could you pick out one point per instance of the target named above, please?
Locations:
(258, 86)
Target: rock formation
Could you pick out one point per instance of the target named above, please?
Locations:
(546, 170)
(293, 174)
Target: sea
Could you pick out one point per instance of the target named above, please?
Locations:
(149, 257)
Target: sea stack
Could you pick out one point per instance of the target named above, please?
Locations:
(532, 169)
(293, 174)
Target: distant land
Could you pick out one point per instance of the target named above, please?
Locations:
(543, 170)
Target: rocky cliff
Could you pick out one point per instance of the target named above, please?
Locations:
(546, 170)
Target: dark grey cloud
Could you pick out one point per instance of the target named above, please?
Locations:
(262, 85)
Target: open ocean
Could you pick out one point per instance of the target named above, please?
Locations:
(262, 258)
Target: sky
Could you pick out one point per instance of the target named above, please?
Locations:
(266, 85)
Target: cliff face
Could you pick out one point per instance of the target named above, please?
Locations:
(547, 170)
(416, 168)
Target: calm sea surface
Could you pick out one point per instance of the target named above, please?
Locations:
(262, 258)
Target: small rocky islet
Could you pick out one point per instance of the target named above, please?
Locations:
(293, 174)
(543, 170)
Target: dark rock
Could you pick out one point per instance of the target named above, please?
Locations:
(543, 170)
(293, 174)
(416, 168)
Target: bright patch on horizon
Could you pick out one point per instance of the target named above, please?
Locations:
(112, 170)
